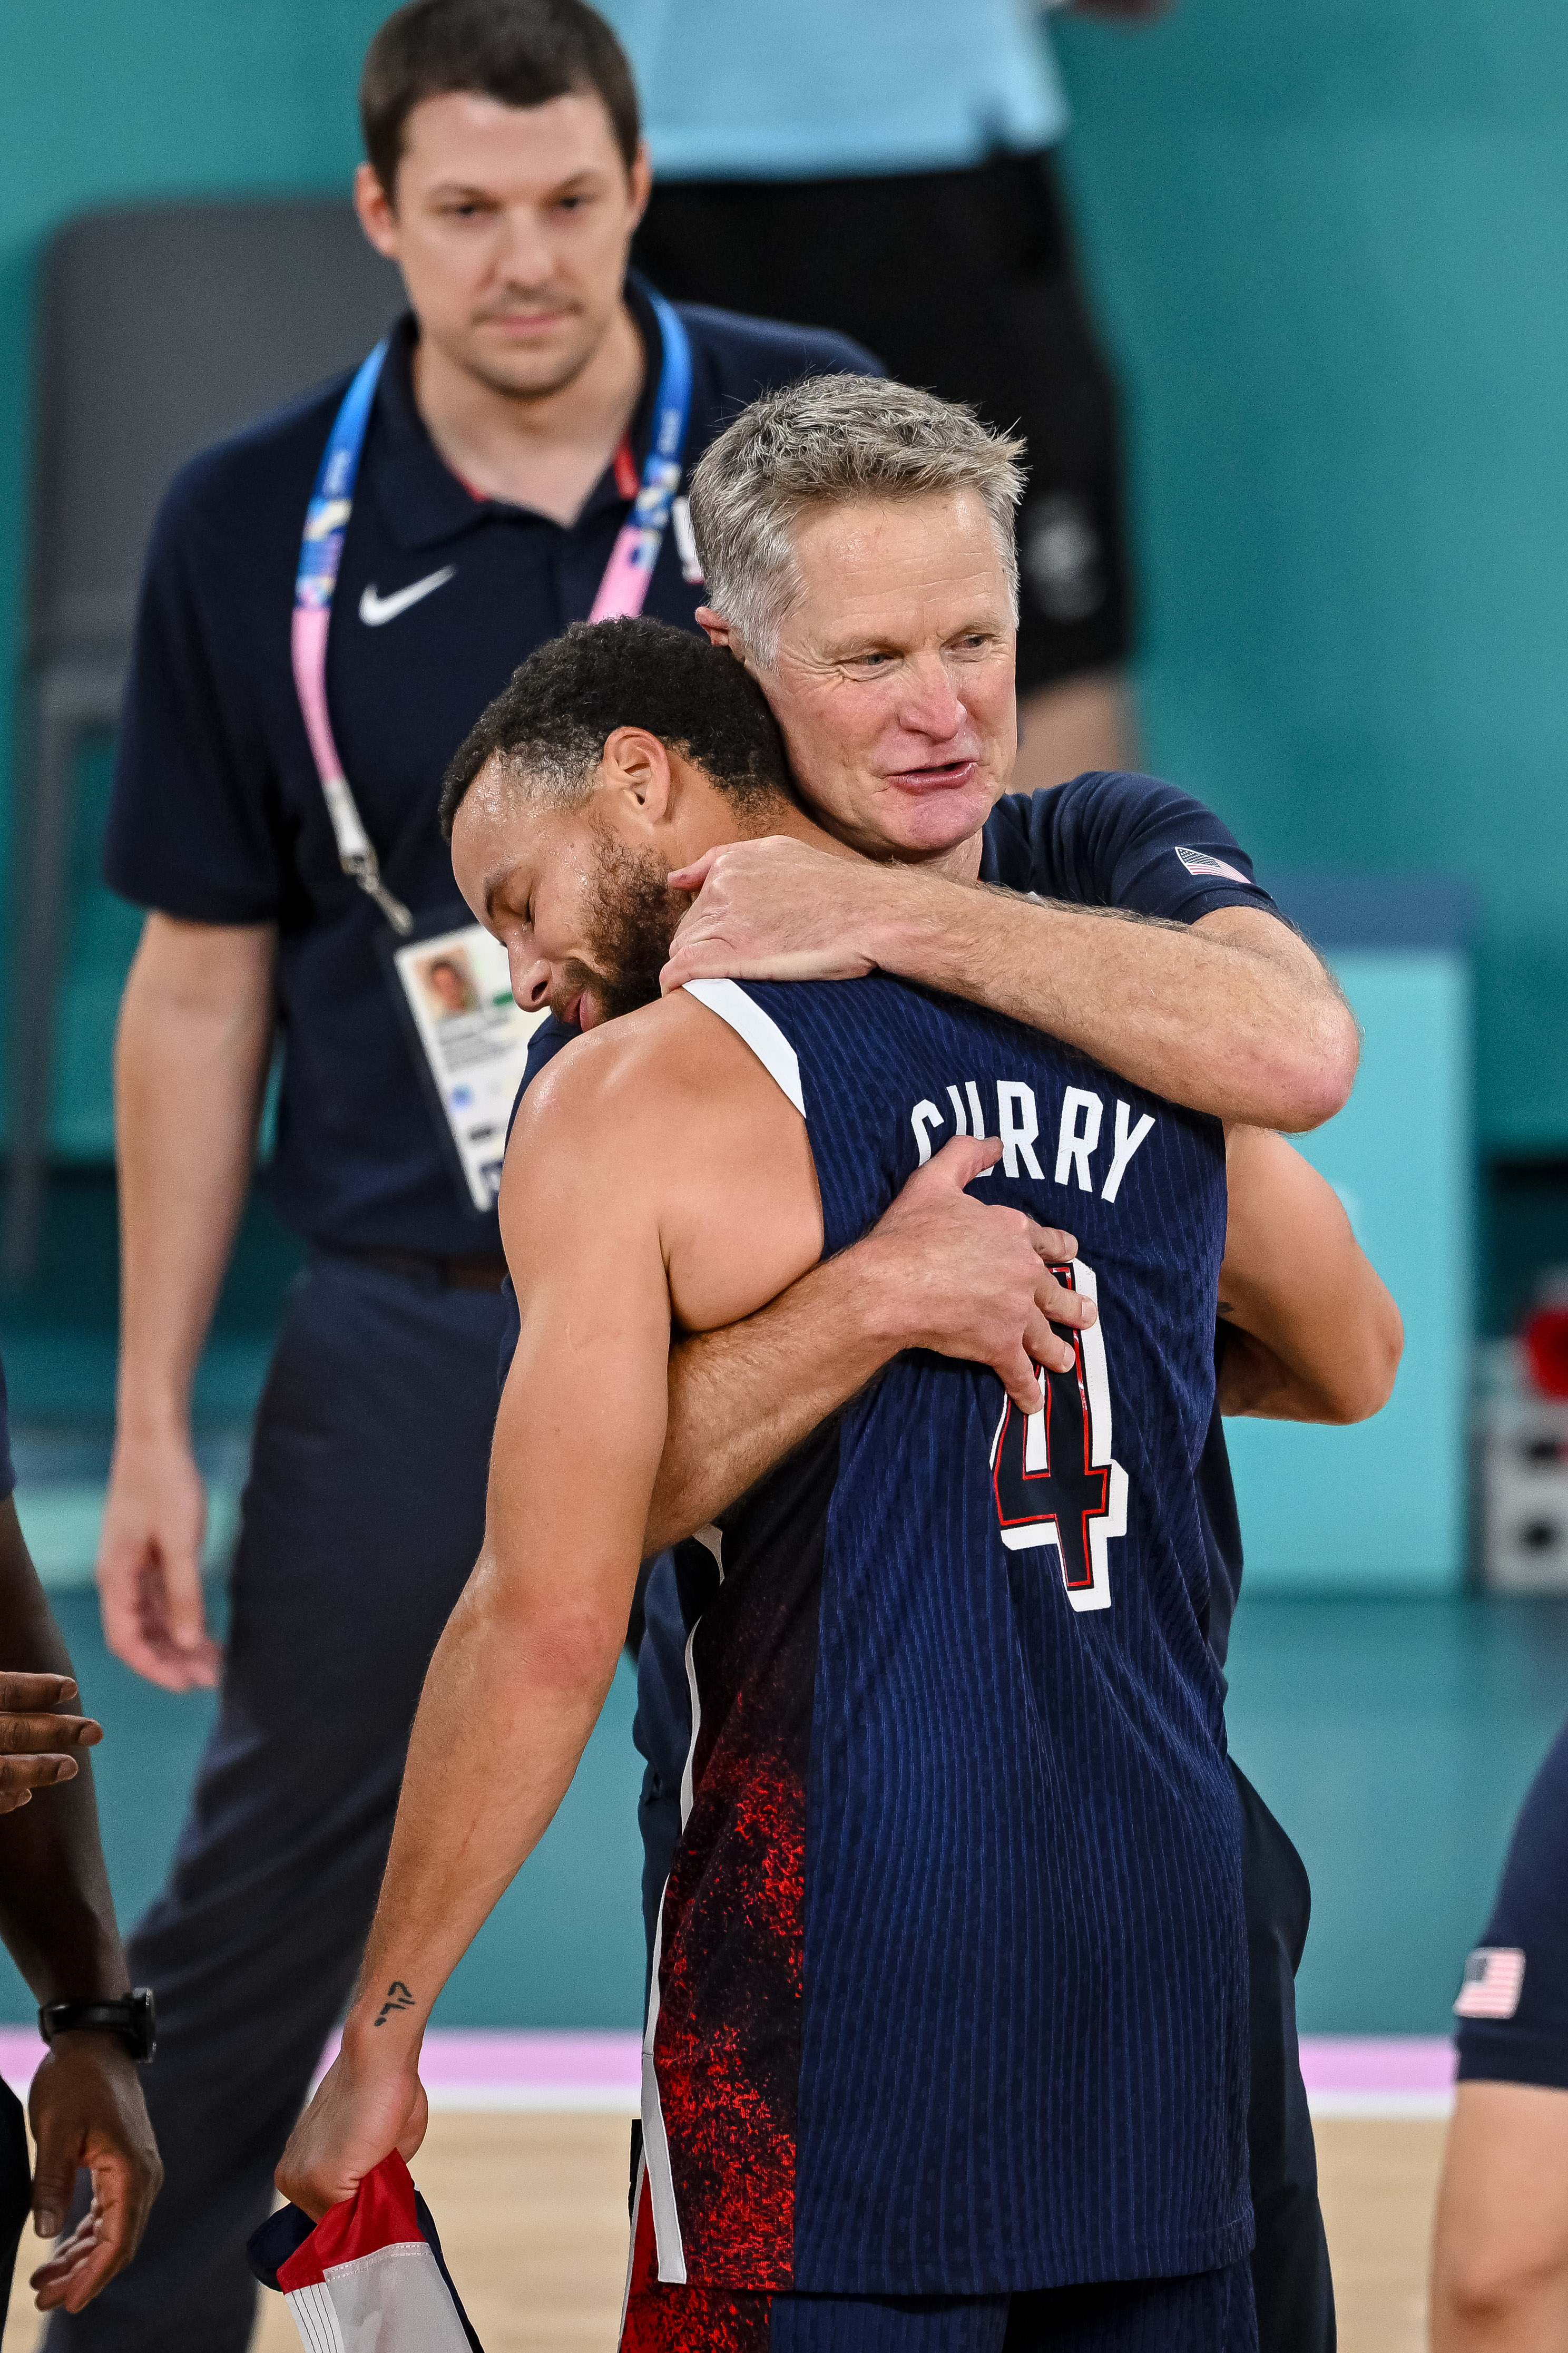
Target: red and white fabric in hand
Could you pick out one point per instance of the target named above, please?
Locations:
(370, 2272)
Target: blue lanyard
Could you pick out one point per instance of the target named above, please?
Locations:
(622, 590)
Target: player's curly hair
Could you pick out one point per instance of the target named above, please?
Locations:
(548, 725)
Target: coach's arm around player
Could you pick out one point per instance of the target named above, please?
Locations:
(1233, 1014)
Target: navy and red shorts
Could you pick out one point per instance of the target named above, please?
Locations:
(1211, 2312)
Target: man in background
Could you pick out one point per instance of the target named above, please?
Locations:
(499, 453)
(887, 169)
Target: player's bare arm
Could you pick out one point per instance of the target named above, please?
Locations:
(1234, 1015)
(1313, 1334)
(659, 1173)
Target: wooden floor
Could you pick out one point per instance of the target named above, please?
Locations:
(533, 2214)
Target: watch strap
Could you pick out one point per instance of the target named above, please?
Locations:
(130, 2016)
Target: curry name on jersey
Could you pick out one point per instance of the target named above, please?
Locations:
(948, 1990)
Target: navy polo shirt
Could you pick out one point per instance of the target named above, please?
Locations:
(1102, 840)
(217, 814)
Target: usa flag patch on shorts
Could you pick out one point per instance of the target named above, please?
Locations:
(1494, 1980)
(370, 2272)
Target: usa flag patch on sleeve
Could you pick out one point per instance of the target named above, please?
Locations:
(1204, 861)
(1494, 1980)
(370, 2272)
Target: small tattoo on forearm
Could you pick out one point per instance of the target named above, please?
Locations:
(397, 1998)
(1225, 1308)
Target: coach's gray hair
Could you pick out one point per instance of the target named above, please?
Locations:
(823, 442)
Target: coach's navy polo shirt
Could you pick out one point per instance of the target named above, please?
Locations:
(1102, 840)
(217, 814)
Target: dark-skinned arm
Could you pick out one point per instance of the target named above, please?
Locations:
(56, 1919)
(1311, 1331)
(1233, 1015)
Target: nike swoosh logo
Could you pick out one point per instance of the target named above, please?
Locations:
(376, 611)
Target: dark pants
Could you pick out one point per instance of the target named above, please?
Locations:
(363, 1517)
(16, 2189)
(1292, 2285)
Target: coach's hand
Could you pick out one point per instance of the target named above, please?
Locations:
(780, 909)
(971, 1278)
(362, 2110)
(149, 1563)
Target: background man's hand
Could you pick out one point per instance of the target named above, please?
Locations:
(150, 1565)
(969, 1278)
(358, 2116)
(86, 2109)
(777, 910)
(36, 1737)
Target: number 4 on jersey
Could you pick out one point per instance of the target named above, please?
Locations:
(1055, 1478)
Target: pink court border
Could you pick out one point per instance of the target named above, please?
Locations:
(503, 2070)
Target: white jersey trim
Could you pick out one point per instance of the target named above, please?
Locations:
(655, 2146)
(761, 1033)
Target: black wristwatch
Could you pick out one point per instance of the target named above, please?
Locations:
(129, 2015)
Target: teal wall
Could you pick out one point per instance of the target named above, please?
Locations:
(1381, 1508)
(1327, 238)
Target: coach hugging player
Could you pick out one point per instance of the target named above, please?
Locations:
(948, 2038)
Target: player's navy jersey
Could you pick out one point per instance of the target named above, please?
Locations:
(949, 1989)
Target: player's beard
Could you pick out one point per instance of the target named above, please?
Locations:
(633, 919)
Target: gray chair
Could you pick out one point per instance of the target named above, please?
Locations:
(159, 329)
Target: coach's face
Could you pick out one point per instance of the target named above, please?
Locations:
(892, 681)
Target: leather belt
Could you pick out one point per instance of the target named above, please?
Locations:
(431, 1272)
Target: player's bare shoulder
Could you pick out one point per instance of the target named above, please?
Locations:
(669, 1107)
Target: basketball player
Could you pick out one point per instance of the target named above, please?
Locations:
(948, 2041)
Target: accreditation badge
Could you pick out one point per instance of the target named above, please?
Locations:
(453, 990)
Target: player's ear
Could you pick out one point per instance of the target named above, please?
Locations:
(635, 772)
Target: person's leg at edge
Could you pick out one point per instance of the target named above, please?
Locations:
(362, 1519)
(1291, 2278)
